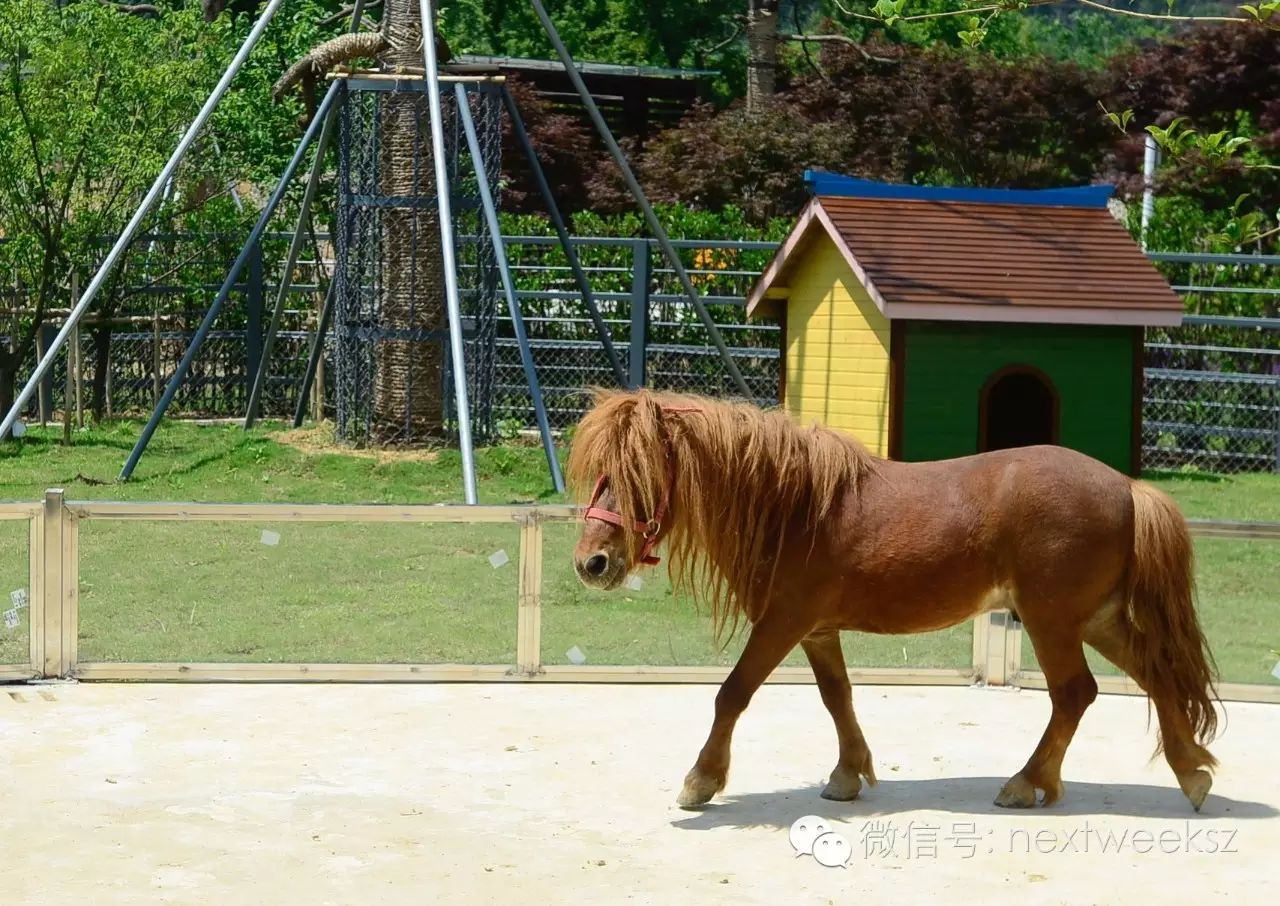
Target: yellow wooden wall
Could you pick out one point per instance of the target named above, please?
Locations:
(837, 355)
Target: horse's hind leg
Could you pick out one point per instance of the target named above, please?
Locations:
(768, 644)
(1108, 633)
(1071, 690)
(827, 660)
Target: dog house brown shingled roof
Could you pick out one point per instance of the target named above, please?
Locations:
(1049, 256)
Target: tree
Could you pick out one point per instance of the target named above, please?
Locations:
(90, 104)
(408, 398)
(762, 51)
(969, 118)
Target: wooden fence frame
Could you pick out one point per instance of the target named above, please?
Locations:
(54, 609)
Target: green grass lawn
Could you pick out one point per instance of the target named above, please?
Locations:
(429, 593)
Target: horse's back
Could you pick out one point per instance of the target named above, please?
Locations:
(940, 541)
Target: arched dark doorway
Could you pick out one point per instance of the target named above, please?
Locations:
(1019, 408)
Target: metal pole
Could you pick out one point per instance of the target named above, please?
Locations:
(508, 287)
(126, 237)
(650, 217)
(317, 350)
(1151, 160)
(286, 279)
(255, 237)
(562, 231)
(639, 310)
(253, 317)
(427, 10)
(295, 248)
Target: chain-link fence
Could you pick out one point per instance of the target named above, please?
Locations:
(394, 380)
(656, 332)
(1212, 397)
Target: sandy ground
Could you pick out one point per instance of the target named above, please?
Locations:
(226, 794)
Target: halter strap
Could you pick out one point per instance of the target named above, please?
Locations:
(649, 529)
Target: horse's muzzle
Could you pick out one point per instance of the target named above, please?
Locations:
(601, 571)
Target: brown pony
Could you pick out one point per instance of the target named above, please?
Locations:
(804, 533)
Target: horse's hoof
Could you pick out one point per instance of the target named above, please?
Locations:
(1196, 786)
(698, 791)
(843, 786)
(1019, 792)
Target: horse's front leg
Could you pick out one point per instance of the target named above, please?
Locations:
(827, 660)
(771, 639)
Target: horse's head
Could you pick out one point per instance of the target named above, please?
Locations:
(604, 554)
(622, 452)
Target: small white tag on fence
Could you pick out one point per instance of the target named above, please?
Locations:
(1275, 671)
(576, 656)
(635, 583)
(10, 619)
(270, 538)
(19, 598)
(499, 558)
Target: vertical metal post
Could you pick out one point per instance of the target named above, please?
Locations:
(640, 275)
(253, 319)
(426, 9)
(316, 353)
(68, 394)
(655, 226)
(1151, 160)
(1276, 404)
(562, 231)
(529, 608)
(131, 229)
(156, 383)
(508, 286)
(77, 356)
(59, 593)
(43, 338)
(255, 236)
(107, 384)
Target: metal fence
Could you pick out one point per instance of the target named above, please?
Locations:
(53, 606)
(1212, 399)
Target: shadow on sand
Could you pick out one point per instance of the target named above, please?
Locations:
(968, 796)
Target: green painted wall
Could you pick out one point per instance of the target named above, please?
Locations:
(947, 364)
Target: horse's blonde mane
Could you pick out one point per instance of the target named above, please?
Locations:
(744, 478)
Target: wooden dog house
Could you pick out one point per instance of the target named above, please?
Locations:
(939, 322)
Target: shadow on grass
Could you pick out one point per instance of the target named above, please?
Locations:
(964, 796)
(43, 444)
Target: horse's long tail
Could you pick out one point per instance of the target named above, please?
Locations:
(1167, 648)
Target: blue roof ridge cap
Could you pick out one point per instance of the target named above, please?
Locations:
(834, 184)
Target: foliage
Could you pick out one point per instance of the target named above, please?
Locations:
(927, 116)
(656, 32)
(967, 118)
(567, 148)
(90, 102)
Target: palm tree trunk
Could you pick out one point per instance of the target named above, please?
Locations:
(408, 404)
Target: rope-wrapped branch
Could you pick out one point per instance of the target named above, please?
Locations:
(331, 54)
(326, 57)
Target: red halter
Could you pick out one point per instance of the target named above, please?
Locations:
(648, 529)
